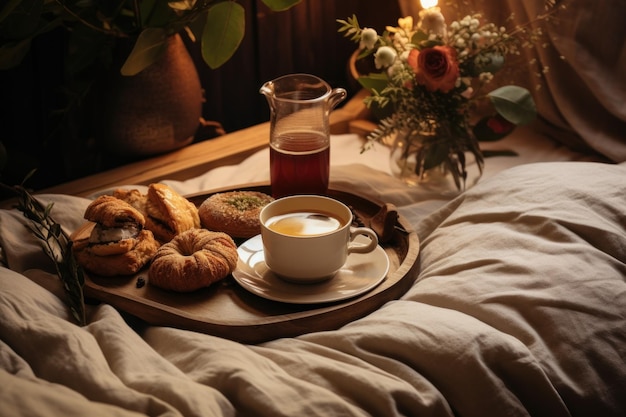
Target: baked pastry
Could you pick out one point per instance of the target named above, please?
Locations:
(167, 213)
(118, 244)
(133, 197)
(192, 260)
(234, 212)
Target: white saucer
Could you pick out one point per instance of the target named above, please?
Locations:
(361, 273)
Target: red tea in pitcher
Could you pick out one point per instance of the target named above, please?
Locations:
(299, 163)
(300, 106)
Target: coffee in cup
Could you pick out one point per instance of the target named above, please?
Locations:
(304, 223)
(307, 238)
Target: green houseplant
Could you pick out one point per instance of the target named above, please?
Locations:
(93, 32)
(217, 24)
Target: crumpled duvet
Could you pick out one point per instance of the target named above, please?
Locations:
(519, 309)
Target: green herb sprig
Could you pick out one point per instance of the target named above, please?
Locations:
(56, 244)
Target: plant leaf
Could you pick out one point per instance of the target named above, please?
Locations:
(419, 37)
(156, 13)
(280, 5)
(514, 103)
(147, 50)
(12, 53)
(374, 81)
(223, 33)
(57, 245)
(436, 153)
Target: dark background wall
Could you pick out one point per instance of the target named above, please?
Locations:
(303, 39)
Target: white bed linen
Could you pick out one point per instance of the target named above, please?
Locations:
(519, 309)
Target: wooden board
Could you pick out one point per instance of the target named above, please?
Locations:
(227, 310)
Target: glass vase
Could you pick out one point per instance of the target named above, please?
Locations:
(441, 160)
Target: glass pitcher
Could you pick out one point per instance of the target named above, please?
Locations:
(300, 106)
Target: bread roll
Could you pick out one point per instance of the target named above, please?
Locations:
(235, 213)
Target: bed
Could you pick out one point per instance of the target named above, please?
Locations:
(517, 306)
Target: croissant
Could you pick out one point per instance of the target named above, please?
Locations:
(133, 197)
(117, 244)
(168, 213)
(112, 212)
(192, 260)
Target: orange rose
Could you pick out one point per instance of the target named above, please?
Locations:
(436, 68)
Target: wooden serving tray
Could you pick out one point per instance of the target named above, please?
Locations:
(228, 310)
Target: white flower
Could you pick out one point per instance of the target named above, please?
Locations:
(369, 37)
(433, 22)
(396, 68)
(384, 57)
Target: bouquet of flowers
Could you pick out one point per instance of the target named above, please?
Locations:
(434, 77)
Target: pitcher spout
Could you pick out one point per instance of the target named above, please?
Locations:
(267, 90)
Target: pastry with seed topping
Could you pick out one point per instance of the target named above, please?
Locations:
(235, 213)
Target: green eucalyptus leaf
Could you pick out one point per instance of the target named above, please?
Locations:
(223, 33)
(419, 37)
(280, 5)
(514, 103)
(435, 154)
(374, 81)
(147, 50)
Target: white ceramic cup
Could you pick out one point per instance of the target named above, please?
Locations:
(308, 258)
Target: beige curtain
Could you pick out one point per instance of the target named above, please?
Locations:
(582, 96)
